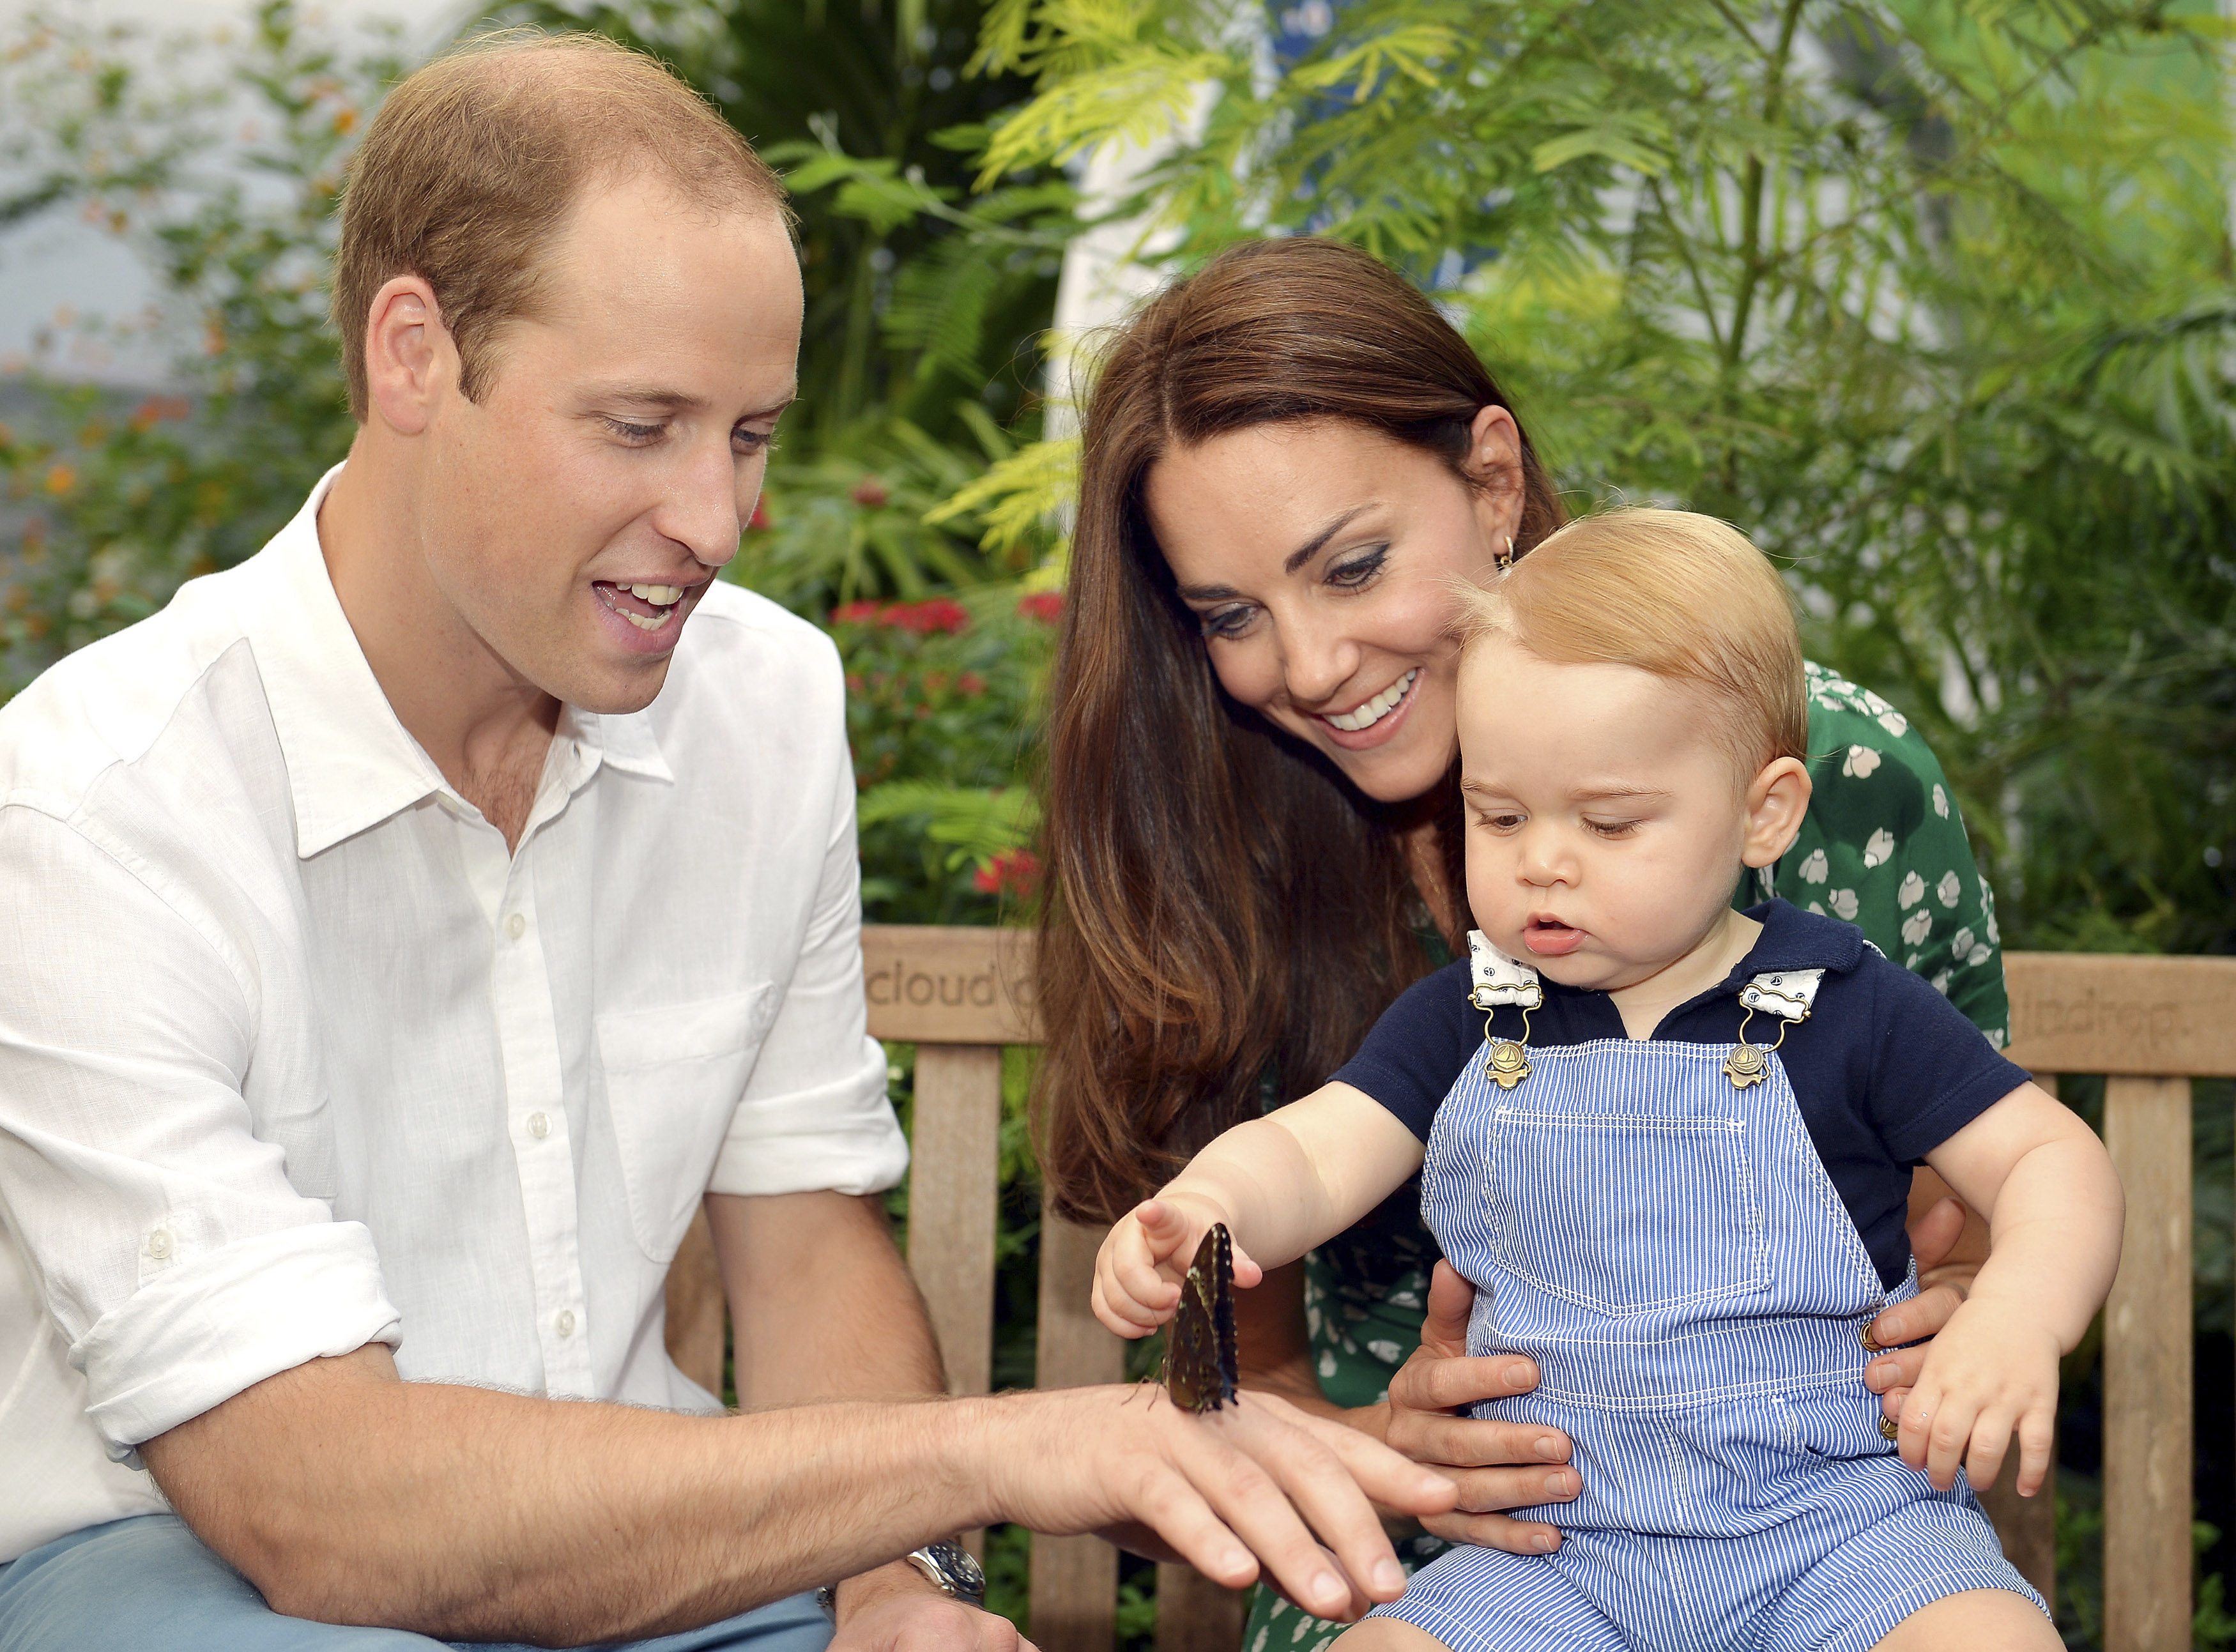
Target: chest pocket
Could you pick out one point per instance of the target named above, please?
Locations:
(674, 1075)
(1626, 1213)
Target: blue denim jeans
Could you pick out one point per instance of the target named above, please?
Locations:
(150, 1585)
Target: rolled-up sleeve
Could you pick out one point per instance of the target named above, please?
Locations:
(815, 1115)
(179, 1261)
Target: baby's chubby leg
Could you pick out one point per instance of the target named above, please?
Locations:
(1387, 1635)
(1979, 1620)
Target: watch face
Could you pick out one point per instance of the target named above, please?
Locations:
(956, 1570)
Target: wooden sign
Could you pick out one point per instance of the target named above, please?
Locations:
(2091, 1013)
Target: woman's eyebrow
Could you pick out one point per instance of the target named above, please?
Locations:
(1310, 548)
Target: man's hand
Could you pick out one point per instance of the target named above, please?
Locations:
(1146, 1255)
(1480, 1456)
(896, 1608)
(1256, 1485)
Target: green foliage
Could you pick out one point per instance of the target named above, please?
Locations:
(1933, 296)
(916, 303)
(112, 504)
(940, 710)
(880, 511)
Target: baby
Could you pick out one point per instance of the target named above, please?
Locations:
(1671, 1144)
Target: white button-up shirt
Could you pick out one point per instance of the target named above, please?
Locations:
(296, 1056)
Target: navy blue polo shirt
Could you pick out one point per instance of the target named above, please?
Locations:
(1885, 1068)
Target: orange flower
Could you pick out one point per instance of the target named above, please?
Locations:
(61, 478)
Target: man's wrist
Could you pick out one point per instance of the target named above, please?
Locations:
(866, 1590)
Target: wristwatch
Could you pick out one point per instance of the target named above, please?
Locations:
(952, 1570)
(948, 1566)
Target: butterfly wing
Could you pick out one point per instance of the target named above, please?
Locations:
(1199, 1356)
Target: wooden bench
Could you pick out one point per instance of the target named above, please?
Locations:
(2150, 1024)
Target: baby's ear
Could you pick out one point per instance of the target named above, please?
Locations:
(1777, 799)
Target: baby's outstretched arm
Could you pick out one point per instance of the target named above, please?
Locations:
(1282, 1184)
(2054, 1209)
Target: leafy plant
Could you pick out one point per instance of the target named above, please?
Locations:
(1932, 297)
(117, 502)
(916, 302)
(940, 699)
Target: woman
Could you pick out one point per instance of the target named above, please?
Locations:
(1253, 814)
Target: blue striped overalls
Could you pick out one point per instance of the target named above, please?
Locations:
(1667, 1245)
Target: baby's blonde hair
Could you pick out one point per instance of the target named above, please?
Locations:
(1670, 593)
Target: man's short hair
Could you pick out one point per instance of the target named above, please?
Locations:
(1679, 595)
(475, 161)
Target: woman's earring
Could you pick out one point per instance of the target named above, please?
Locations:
(1505, 558)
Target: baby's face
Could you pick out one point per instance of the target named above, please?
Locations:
(1606, 824)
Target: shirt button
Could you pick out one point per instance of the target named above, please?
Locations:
(539, 1125)
(159, 1244)
(565, 1323)
(515, 926)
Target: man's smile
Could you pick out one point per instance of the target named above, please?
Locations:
(646, 605)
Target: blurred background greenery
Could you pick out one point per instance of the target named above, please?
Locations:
(1935, 298)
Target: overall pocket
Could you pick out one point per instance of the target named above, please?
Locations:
(1626, 1213)
(674, 1077)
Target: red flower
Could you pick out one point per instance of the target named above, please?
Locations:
(1046, 606)
(855, 614)
(970, 683)
(932, 616)
(760, 517)
(870, 493)
(156, 409)
(1013, 871)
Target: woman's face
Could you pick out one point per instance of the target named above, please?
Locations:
(1318, 559)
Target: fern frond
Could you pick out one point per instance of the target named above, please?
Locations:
(1017, 495)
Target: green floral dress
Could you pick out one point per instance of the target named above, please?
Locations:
(1882, 847)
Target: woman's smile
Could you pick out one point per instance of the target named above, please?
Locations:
(1371, 714)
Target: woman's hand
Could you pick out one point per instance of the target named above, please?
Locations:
(1949, 1248)
(1495, 1466)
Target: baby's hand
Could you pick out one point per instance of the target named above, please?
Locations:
(1991, 1370)
(1139, 1270)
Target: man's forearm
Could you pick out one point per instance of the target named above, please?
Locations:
(826, 1310)
(467, 1514)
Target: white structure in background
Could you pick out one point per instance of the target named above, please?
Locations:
(1109, 267)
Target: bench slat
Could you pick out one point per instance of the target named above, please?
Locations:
(950, 984)
(953, 1190)
(2080, 1012)
(1075, 1580)
(2147, 1372)
(1195, 1614)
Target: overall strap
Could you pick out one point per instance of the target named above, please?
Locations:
(1788, 995)
(1496, 979)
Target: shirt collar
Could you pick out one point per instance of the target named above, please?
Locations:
(626, 741)
(1793, 940)
(351, 763)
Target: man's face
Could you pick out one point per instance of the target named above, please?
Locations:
(575, 514)
(1605, 824)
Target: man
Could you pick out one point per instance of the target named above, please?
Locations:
(402, 932)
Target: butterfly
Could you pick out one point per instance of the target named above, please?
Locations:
(1199, 1373)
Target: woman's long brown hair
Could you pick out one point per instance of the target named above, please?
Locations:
(1221, 902)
